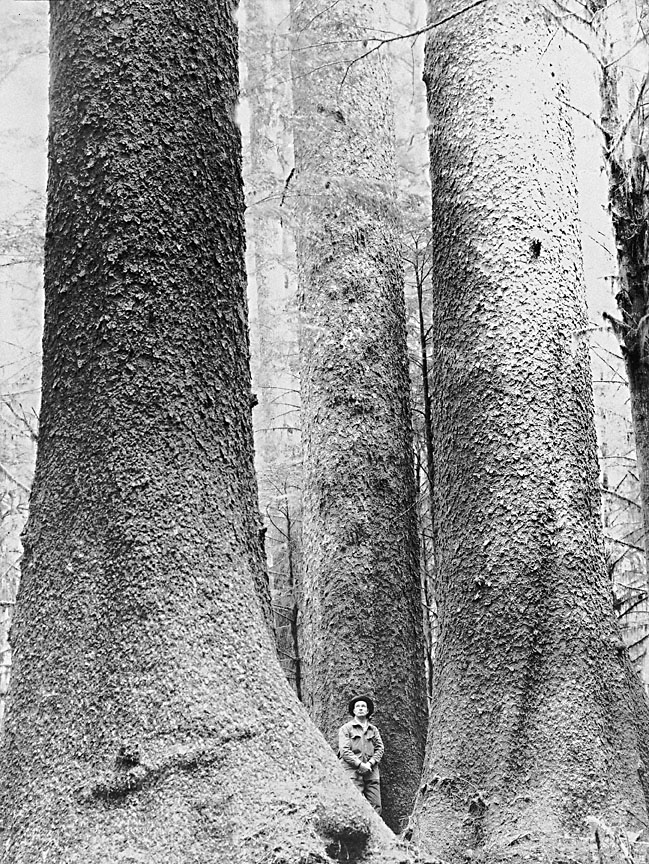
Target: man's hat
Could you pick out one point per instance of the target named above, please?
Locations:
(366, 699)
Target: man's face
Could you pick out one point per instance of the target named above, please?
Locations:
(360, 709)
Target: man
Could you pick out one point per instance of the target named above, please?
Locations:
(360, 747)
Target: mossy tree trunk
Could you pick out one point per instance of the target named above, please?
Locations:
(148, 718)
(362, 615)
(533, 727)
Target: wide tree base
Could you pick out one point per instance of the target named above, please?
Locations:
(232, 803)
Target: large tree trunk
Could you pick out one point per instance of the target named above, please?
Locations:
(148, 719)
(532, 728)
(362, 616)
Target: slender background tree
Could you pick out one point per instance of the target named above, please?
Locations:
(23, 122)
(273, 301)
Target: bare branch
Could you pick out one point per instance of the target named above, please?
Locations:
(615, 494)
(411, 35)
(632, 114)
(13, 479)
(578, 39)
(585, 114)
(624, 543)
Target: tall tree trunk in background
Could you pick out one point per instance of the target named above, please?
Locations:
(13, 510)
(362, 616)
(148, 718)
(625, 155)
(532, 728)
(275, 353)
(23, 59)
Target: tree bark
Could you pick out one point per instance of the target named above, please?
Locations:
(533, 725)
(148, 718)
(362, 616)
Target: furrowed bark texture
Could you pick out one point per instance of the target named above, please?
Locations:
(148, 718)
(532, 726)
(362, 618)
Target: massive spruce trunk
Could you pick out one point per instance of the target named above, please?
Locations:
(362, 617)
(532, 728)
(148, 718)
